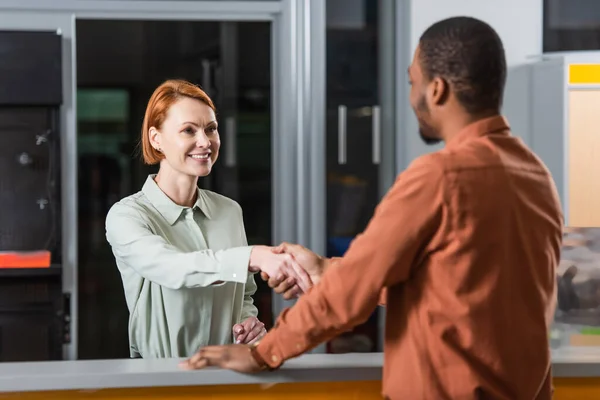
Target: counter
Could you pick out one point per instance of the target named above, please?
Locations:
(581, 362)
(320, 376)
(77, 375)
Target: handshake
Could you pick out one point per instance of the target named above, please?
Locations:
(289, 269)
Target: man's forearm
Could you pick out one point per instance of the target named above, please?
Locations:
(326, 263)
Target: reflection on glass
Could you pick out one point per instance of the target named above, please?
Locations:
(571, 25)
(119, 64)
(577, 318)
(352, 170)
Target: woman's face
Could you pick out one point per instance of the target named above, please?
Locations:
(189, 138)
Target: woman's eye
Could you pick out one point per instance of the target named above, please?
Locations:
(211, 129)
(189, 131)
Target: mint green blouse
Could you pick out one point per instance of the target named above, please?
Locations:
(170, 257)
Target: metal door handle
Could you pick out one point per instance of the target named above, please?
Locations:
(376, 128)
(342, 115)
(230, 142)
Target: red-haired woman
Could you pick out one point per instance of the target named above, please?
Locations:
(186, 267)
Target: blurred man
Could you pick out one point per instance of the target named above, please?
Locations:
(466, 244)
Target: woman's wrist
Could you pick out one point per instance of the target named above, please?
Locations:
(256, 256)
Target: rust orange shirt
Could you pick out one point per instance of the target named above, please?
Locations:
(466, 243)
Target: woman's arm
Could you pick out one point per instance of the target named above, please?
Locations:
(134, 244)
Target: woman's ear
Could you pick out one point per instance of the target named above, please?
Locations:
(154, 136)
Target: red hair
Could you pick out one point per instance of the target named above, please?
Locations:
(167, 94)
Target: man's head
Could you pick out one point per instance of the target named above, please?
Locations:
(457, 76)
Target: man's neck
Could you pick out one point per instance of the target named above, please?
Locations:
(459, 123)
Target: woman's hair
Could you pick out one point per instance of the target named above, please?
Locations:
(167, 94)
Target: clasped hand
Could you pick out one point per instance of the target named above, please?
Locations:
(281, 266)
(293, 271)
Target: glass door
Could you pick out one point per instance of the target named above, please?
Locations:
(359, 165)
(232, 62)
(245, 54)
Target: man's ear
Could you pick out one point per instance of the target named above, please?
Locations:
(440, 90)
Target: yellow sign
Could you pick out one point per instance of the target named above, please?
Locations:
(584, 74)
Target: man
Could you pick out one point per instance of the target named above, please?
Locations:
(465, 243)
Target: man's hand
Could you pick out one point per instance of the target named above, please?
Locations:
(279, 265)
(313, 264)
(236, 357)
(248, 331)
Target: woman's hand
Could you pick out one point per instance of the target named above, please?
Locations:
(248, 331)
(313, 264)
(280, 266)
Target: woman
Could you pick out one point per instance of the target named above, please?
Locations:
(186, 267)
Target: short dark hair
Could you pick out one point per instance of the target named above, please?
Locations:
(469, 55)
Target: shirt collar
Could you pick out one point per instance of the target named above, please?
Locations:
(496, 125)
(167, 207)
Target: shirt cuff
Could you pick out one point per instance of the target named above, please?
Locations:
(234, 265)
(279, 344)
(268, 351)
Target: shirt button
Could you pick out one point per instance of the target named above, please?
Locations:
(234, 275)
(274, 358)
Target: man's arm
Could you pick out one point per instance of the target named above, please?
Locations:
(313, 264)
(403, 225)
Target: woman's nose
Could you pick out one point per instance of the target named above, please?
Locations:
(202, 140)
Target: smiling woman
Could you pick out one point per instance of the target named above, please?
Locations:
(181, 109)
(182, 252)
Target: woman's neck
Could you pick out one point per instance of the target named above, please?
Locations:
(180, 188)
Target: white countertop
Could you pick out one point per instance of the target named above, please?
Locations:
(581, 362)
(78, 375)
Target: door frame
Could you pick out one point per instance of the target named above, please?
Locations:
(16, 19)
(297, 110)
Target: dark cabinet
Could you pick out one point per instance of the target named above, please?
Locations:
(30, 68)
(30, 180)
(33, 316)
